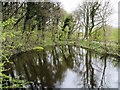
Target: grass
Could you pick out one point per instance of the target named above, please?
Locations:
(100, 47)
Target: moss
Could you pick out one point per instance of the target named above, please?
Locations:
(38, 48)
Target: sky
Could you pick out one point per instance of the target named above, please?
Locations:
(70, 5)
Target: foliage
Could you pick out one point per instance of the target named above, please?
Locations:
(111, 34)
(111, 49)
(33, 26)
(38, 48)
(9, 45)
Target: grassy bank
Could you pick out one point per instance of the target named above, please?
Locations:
(110, 48)
(16, 42)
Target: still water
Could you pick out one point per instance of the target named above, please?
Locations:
(66, 67)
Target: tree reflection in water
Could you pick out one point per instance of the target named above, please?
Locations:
(49, 68)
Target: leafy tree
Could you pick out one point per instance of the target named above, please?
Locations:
(68, 25)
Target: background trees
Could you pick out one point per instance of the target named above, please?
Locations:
(88, 18)
(32, 14)
(92, 16)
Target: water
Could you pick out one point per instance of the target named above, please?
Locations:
(66, 67)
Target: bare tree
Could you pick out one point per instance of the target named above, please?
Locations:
(92, 15)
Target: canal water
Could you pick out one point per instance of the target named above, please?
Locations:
(65, 67)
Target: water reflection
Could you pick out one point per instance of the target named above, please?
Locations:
(66, 67)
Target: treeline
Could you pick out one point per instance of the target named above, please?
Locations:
(88, 18)
(92, 16)
(29, 24)
(33, 15)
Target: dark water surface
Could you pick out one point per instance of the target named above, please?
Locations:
(66, 67)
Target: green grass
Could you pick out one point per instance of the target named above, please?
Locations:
(111, 49)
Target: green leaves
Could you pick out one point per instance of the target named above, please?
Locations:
(38, 48)
(66, 29)
(8, 23)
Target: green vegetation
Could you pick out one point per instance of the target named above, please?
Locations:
(33, 26)
(8, 49)
(110, 49)
(111, 34)
(38, 48)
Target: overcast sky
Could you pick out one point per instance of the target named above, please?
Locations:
(70, 5)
